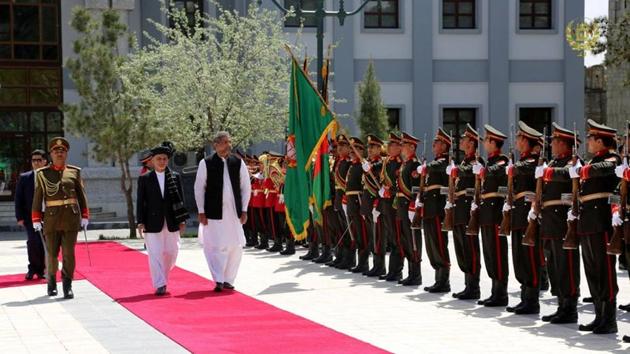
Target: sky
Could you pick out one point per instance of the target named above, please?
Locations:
(595, 8)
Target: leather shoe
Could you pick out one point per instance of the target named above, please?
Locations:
(29, 275)
(52, 287)
(412, 281)
(565, 318)
(548, 318)
(626, 339)
(514, 308)
(439, 288)
(496, 302)
(393, 277)
(228, 286)
(161, 290)
(470, 295)
(625, 307)
(483, 302)
(587, 299)
(529, 308)
(67, 289)
(218, 288)
(40, 275)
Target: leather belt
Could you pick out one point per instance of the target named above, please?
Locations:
(54, 203)
(554, 203)
(491, 195)
(339, 188)
(432, 187)
(523, 194)
(460, 193)
(594, 196)
(353, 193)
(401, 194)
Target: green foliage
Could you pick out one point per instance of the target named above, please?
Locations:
(372, 117)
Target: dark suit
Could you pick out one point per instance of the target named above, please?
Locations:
(23, 203)
(151, 207)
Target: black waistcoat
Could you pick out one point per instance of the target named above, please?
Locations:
(213, 200)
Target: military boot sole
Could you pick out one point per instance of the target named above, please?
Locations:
(326, 259)
(606, 329)
(470, 296)
(440, 289)
(564, 319)
(412, 282)
(528, 310)
(548, 318)
(496, 303)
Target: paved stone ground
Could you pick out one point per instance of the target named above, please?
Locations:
(395, 318)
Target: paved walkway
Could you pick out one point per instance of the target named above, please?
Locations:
(395, 318)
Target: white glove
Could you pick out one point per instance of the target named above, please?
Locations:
(421, 168)
(477, 167)
(509, 165)
(375, 214)
(573, 172)
(450, 168)
(448, 205)
(619, 170)
(473, 206)
(540, 171)
(366, 166)
(411, 215)
(259, 176)
(506, 207)
(310, 208)
(381, 192)
(281, 198)
(345, 208)
(84, 223)
(531, 216)
(570, 216)
(616, 219)
(419, 204)
(37, 226)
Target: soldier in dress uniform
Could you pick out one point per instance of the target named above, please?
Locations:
(409, 241)
(60, 187)
(271, 185)
(370, 205)
(622, 171)
(597, 182)
(433, 203)
(354, 188)
(564, 264)
(526, 259)
(466, 246)
(495, 250)
(258, 204)
(326, 231)
(337, 221)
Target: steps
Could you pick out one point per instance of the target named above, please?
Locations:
(97, 217)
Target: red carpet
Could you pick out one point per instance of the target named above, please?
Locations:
(204, 321)
(13, 280)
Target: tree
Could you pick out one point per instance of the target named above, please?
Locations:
(219, 73)
(372, 117)
(112, 112)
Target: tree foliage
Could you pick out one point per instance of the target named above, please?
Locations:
(372, 117)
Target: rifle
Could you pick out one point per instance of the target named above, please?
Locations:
(449, 215)
(571, 238)
(532, 227)
(417, 218)
(506, 223)
(616, 244)
(473, 223)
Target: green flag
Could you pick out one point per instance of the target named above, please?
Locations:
(310, 121)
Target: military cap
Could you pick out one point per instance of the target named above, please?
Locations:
(559, 132)
(357, 143)
(471, 133)
(342, 139)
(528, 132)
(409, 139)
(394, 139)
(494, 133)
(443, 137)
(58, 142)
(162, 150)
(275, 155)
(599, 130)
(374, 140)
(145, 156)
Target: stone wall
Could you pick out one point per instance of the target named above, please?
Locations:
(618, 95)
(595, 100)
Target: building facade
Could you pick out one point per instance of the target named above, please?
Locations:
(618, 95)
(440, 63)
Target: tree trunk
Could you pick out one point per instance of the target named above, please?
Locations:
(126, 185)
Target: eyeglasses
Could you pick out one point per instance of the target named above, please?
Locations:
(37, 160)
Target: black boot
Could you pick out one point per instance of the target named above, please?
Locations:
(379, 266)
(531, 303)
(264, 242)
(277, 245)
(471, 292)
(492, 291)
(362, 265)
(567, 312)
(520, 304)
(394, 270)
(625, 307)
(349, 259)
(442, 283)
(338, 253)
(67, 288)
(499, 296)
(313, 252)
(609, 319)
(544, 280)
(596, 322)
(290, 249)
(415, 275)
(52, 286)
(548, 318)
(626, 339)
(251, 238)
(587, 299)
(325, 257)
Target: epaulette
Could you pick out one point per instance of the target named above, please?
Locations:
(43, 168)
(530, 160)
(74, 167)
(612, 159)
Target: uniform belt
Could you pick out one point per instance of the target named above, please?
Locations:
(353, 192)
(432, 187)
(553, 203)
(401, 194)
(594, 196)
(460, 193)
(491, 195)
(522, 194)
(340, 188)
(54, 203)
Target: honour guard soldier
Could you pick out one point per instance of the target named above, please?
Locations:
(526, 259)
(370, 208)
(494, 246)
(280, 209)
(327, 229)
(271, 185)
(564, 264)
(60, 188)
(387, 194)
(409, 241)
(258, 204)
(338, 220)
(597, 182)
(466, 246)
(354, 188)
(433, 212)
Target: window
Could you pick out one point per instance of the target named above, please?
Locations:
(393, 118)
(535, 14)
(308, 5)
(538, 118)
(29, 30)
(35, 86)
(189, 7)
(458, 14)
(387, 17)
(454, 122)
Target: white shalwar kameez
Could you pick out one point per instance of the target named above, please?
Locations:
(162, 248)
(223, 240)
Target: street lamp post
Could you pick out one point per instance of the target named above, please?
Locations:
(320, 14)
